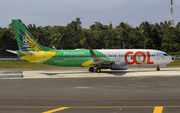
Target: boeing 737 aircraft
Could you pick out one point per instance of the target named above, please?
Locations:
(114, 59)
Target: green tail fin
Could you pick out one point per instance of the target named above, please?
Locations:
(25, 40)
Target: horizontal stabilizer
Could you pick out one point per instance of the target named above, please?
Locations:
(11, 51)
(23, 53)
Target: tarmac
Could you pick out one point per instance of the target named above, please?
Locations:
(83, 72)
(75, 90)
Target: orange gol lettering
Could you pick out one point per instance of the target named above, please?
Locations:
(131, 57)
(148, 61)
(134, 58)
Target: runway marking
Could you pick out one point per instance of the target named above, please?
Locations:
(83, 87)
(90, 107)
(158, 109)
(54, 110)
(89, 98)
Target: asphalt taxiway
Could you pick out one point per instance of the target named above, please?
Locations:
(136, 90)
(83, 72)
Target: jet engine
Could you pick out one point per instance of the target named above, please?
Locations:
(119, 66)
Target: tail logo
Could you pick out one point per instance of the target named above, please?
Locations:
(27, 43)
(25, 40)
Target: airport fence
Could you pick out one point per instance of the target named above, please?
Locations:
(10, 58)
(177, 57)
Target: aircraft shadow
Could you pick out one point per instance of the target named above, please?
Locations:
(51, 74)
(115, 73)
(105, 72)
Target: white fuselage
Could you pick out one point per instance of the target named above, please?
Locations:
(138, 56)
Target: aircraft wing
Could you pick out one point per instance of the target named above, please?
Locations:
(98, 61)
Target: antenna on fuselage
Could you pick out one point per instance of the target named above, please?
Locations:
(54, 47)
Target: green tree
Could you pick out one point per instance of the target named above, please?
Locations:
(58, 34)
(97, 26)
(136, 40)
(178, 25)
(170, 41)
(145, 29)
(32, 29)
(123, 32)
(7, 41)
(85, 39)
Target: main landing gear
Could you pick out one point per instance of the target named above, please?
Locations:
(91, 69)
(158, 68)
(98, 70)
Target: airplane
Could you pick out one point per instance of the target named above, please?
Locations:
(114, 59)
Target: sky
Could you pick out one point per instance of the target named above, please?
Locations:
(61, 12)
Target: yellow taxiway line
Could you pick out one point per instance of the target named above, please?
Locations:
(54, 110)
(158, 109)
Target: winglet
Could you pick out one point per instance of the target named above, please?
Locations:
(93, 55)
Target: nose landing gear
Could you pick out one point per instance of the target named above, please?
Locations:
(158, 68)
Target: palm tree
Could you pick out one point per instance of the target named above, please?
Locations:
(145, 29)
(84, 41)
(58, 35)
(78, 23)
(123, 32)
(32, 29)
(178, 25)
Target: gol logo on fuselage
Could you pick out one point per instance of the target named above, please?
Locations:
(134, 58)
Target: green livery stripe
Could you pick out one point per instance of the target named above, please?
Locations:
(73, 58)
(32, 51)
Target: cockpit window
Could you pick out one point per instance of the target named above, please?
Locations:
(165, 54)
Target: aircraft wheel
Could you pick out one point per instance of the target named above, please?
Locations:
(98, 70)
(91, 69)
(158, 69)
